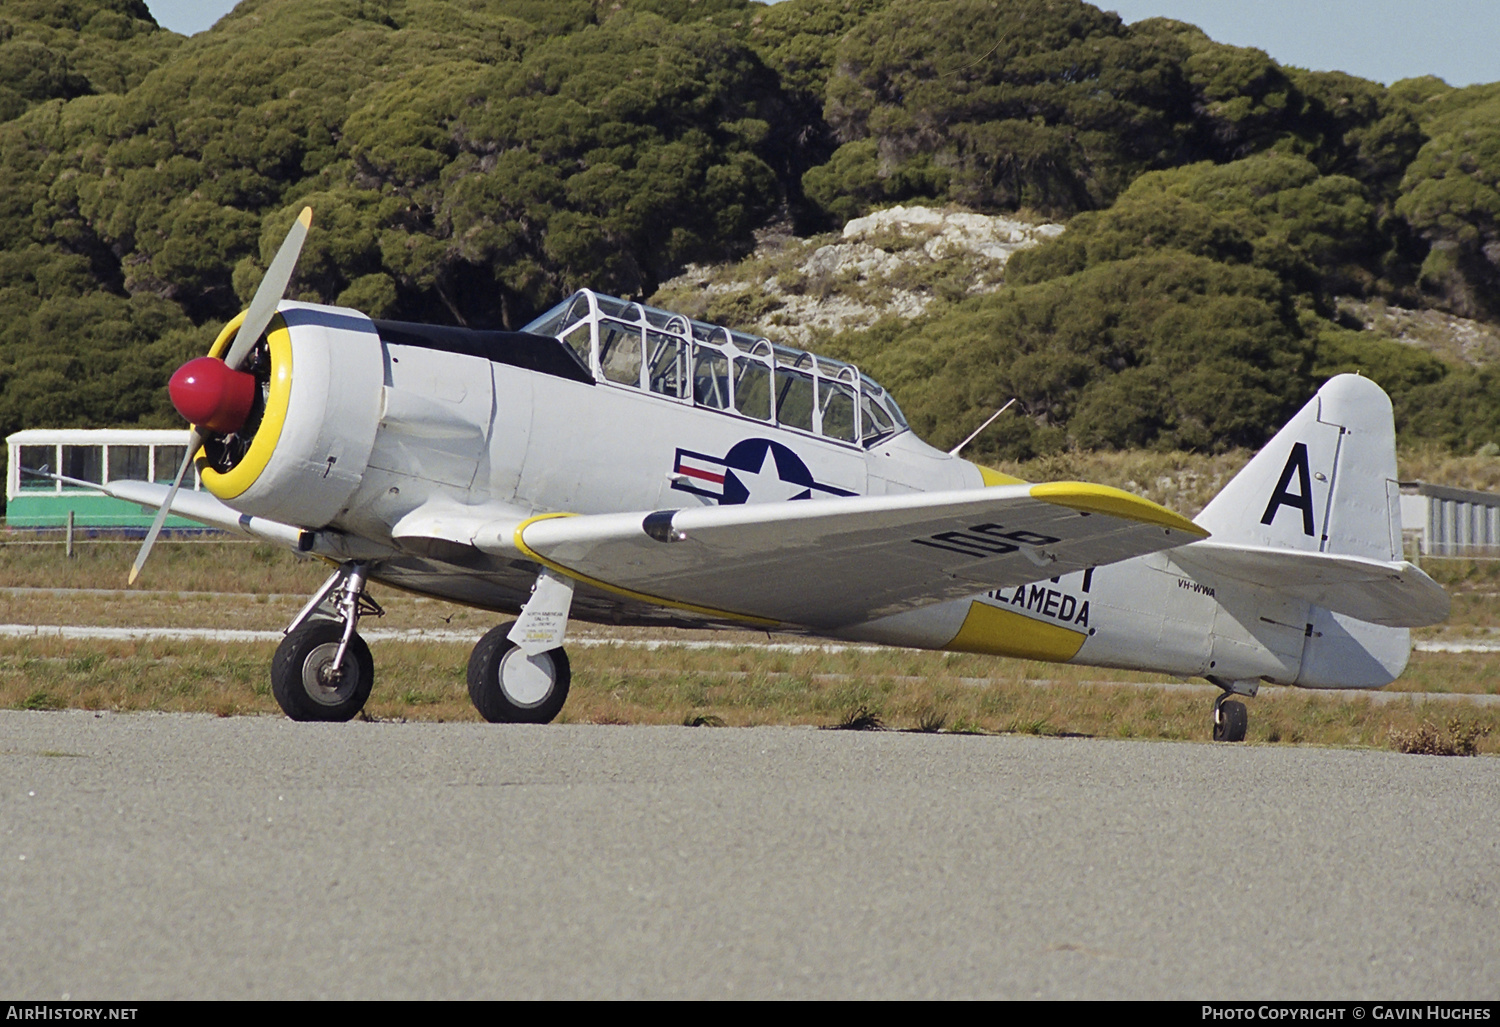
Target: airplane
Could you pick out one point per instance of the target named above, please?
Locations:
(626, 465)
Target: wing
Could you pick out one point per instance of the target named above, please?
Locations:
(831, 562)
(1396, 594)
(205, 509)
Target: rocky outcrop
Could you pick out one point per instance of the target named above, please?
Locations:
(948, 232)
(1444, 335)
(895, 262)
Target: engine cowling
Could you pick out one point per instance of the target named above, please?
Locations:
(310, 439)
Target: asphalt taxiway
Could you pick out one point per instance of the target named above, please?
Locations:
(159, 856)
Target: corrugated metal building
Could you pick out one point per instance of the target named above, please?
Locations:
(1443, 521)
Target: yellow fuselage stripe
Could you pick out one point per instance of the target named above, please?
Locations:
(997, 632)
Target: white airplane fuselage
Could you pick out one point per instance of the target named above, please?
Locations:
(624, 464)
(381, 438)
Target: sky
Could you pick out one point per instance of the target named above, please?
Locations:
(1384, 40)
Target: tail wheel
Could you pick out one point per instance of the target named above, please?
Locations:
(308, 686)
(1230, 721)
(509, 687)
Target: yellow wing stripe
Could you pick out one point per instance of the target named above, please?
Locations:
(237, 479)
(619, 590)
(1104, 499)
(996, 632)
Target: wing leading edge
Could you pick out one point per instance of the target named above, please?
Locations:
(200, 507)
(833, 562)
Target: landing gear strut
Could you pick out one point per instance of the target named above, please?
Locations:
(1230, 716)
(323, 670)
(518, 673)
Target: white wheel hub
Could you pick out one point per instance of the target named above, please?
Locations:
(527, 680)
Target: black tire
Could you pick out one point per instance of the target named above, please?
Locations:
(298, 667)
(1231, 721)
(500, 697)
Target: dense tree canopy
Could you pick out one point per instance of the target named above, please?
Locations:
(1451, 197)
(1197, 312)
(1041, 103)
(1167, 349)
(60, 49)
(470, 161)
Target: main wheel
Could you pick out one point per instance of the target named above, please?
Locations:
(509, 687)
(1230, 721)
(306, 684)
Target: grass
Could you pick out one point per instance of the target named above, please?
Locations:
(41, 699)
(616, 685)
(229, 584)
(861, 718)
(183, 564)
(1460, 737)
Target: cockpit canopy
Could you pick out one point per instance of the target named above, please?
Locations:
(672, 356)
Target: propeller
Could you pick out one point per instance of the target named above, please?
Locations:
(216, 398)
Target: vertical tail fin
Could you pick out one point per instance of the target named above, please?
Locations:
(1326, 482)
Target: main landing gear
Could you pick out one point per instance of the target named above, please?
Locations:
(1230, 716)
(519, 673)
(322, 669)
(312, 681)
(509, 687)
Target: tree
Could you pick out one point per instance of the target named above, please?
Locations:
(1451, 197)
(1048, 104)
(68, 48)
(1167, 349)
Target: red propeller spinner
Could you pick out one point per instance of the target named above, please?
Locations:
(206, 392)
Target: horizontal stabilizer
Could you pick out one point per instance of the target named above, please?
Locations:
(831, 562)
(1391, 593)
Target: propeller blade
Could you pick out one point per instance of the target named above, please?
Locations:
(272, 288)
(262, 308)
(195, 439)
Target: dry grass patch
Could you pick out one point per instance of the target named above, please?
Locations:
(134, 676)
(617, 684)
(1184, 482)
(1459, 673)
(861, 718)
(614, 685)
(1437, 465)
(1460, 737)
(213, 564)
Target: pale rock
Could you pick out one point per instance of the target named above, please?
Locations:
(934, 235)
